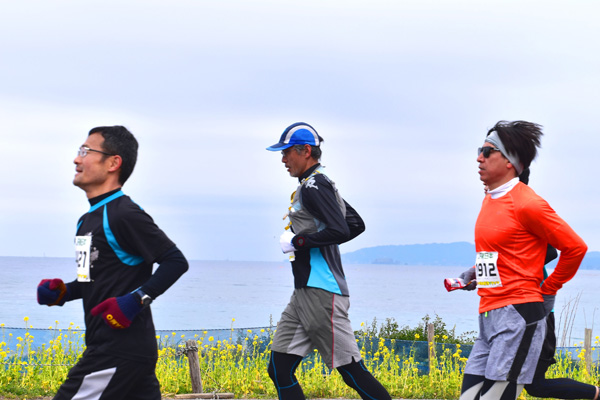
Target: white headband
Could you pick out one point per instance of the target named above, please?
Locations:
(494, 139)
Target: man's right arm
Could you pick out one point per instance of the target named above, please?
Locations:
(54, 292)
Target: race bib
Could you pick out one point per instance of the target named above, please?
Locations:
(82, 256)
(486, 268)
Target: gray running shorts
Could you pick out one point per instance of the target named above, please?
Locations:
(508, 347)
(317, 319)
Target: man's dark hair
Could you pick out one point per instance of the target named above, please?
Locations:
(521, 138)
(315, 151)
(524, 177)
(119, 141)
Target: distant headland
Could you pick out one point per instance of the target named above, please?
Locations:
(451, 254)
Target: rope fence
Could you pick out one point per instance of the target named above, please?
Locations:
(17, 345)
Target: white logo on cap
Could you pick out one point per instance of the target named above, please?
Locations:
(301, 127)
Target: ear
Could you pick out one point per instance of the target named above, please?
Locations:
(308, 151)
(115, 163)
(510, 166)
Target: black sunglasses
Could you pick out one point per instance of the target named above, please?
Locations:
(486, 151)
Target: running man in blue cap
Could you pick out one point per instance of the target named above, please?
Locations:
(317, 314)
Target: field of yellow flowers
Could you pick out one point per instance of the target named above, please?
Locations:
(239, 366)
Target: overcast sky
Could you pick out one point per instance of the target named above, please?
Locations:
(403, 92)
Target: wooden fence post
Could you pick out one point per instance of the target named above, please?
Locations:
(191, 347)
(431, 344)
(587, 346)
(191, 351)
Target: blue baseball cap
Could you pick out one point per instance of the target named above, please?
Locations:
(298, 133)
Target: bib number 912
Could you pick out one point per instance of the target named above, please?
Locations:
(486, 264)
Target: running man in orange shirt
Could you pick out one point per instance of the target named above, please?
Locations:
(512, 232)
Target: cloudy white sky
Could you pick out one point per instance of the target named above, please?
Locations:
(402, 91)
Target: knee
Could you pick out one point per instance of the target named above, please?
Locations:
(276, 372)
(282, 367)
(271, 369)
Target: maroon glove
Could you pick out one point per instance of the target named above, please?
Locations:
(52, 292)
(118, 312)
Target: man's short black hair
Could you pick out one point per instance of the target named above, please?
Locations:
(119, 141)
(521, 138)
(315, 151)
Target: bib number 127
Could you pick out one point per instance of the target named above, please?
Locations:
(82, 256)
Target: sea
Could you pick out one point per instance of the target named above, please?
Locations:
(225, 295)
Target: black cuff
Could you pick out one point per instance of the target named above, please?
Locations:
(73, 291)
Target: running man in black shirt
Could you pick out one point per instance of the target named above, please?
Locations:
(317, 315)
(116, 245)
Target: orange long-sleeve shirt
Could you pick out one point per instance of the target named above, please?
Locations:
(518, 226)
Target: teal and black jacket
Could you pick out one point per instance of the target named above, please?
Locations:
(321, 220)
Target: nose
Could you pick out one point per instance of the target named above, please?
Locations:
(480, 158)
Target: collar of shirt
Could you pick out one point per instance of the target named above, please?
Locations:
(309, 171)
(502, 190)
(95, 200)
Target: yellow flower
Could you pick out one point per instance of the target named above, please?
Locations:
(210, 339)
(417, 336)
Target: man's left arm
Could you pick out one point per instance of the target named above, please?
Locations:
(142, 234)
(354, 221)
(545, 223)
(321, 202)
(171, 266)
